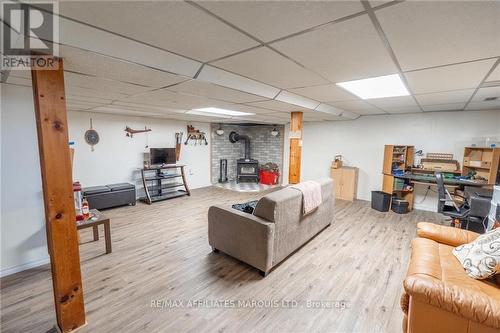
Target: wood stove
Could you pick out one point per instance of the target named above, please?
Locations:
(247, 169)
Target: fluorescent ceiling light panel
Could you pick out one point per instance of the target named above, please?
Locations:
(217, 112)
(237, 82)
(376, 87)
(295, 99)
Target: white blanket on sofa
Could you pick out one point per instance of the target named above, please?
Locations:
(311, 195)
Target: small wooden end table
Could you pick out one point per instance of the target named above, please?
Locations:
(93, 222)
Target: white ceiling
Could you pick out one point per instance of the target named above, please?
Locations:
(163, 58)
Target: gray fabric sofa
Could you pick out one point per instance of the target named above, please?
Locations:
(275, 230)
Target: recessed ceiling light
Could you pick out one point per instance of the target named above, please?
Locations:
(216, 111)
(376, 87)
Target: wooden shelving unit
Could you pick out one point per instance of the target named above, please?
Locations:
(156, 189)
(397, 159)
(483, 161)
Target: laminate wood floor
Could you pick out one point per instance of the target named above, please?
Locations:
(161, 255)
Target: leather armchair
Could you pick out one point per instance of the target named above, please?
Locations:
(438, 295)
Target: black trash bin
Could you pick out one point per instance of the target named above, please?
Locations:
(381, 201)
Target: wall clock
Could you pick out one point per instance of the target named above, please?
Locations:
(91, 136)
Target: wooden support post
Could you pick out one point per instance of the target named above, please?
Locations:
(55, 165)
(295, 147)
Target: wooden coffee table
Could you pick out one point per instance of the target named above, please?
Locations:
(93, 222)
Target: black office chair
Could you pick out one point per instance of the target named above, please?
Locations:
(448, 206)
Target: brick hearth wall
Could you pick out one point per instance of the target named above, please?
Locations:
(263, 147)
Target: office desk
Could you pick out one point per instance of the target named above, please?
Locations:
(479, 204)
(431, 179)
(412, 178)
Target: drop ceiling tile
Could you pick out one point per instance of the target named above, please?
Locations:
(119, 108)
(127, 112)
(483, 93)
(431, 33)
(264, 65)
(21, 74)
(18, 81)
(169, 99)
(278, 106)
(444, 107)
(491, 105)
(87, 62)
(331, 117)
(87, 99)
(77, 108)
(175, 26)
(344, 51)
(269, 20)
(84, 92)
(234, 81)
(455, 77)
(375, 3)
(315, 116)
(445, 97)
(325, 93)
(495, 75)
(297, 100)
(99, 41)
(359, 107)
(268, 119)
(101, 84)
(285, 116)
(249, 109)
(205, 89)
(394, 102)
(144, 108)
(407, 109)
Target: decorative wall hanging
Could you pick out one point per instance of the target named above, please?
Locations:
(131, 132)
(196, 135)
(91, 136)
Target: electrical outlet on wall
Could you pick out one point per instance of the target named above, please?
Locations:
(191, 172)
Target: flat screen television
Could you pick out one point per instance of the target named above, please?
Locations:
(162, 156)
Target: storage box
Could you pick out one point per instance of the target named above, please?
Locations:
(398, 184)
(381, 201)
(400, 206)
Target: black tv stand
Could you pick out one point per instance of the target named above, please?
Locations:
(156, 189)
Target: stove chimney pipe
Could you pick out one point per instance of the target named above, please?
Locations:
(235, 137)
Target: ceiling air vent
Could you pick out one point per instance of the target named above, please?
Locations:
(489, 99)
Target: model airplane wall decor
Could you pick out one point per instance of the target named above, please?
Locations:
(131, 132)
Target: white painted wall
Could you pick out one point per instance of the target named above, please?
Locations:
(117, 158)
(22, 213)
(361, 143)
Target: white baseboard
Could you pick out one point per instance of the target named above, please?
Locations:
(23, 267)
